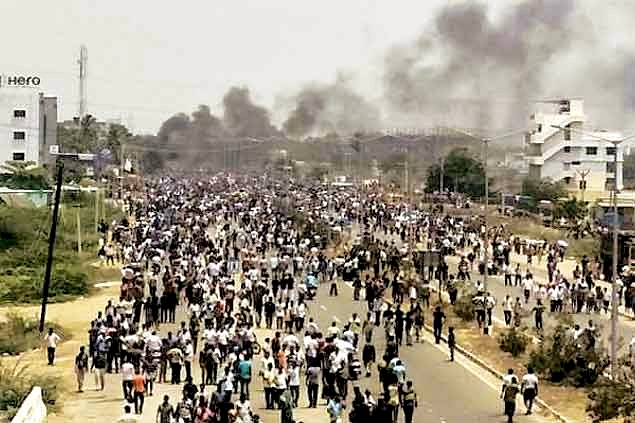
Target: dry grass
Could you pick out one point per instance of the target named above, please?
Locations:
(74, 315)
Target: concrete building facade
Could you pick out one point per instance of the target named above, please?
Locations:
(575, 156)
(28, 120)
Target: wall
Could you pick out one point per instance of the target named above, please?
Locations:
(12, 98)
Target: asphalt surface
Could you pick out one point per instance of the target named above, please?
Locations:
(496, 286)
(451, 392)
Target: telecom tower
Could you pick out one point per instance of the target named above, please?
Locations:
(83, 59)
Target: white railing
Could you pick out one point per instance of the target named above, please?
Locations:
(33, 409)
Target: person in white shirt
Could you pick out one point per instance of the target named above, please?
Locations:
(188, 357)
(294, 381)
(51, 344)
(529, 389)
(127, 374)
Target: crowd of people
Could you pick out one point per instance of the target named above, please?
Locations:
(218, 260)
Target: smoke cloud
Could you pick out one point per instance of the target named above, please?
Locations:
(245, 119)
(331, 108)
(467, 62)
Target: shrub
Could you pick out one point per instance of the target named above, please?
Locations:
(513, 341)
(611, 398)
(562, 359)
(463, 307)
(19, 334)
(16, 382)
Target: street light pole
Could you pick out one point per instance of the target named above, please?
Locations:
(615, 296)
(486, 254)
(49, 259)
(486, 142)
(52, 234)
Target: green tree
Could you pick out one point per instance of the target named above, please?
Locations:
(461, 173)
(571, 209)
(543, 189)
(23, 175)
(116, 136)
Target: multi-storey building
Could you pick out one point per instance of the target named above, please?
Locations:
(581, 158)
(28, 120)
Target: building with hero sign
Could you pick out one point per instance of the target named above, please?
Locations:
(28, 120)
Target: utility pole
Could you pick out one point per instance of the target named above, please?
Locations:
(122, 167)
(51, 244)
(615, 289)
(405, 174)
(97, 192)
(83, 59)
(583, 174)
(486, 253)
(79, 229)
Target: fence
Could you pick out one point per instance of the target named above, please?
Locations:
(33, 409)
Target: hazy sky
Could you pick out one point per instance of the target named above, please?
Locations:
(150, 59)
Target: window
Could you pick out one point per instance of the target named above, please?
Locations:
(566, 166)
(567, 180)
(591, 151)
(610, 151)
(18, 157)
(540, 127)
(610, 167)
(567, 149)
(575, 163)
(19, 114)
(567, 133)
(19, 135)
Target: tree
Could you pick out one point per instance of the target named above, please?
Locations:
(461, 173)
(543, 189)
(23, 175)
(572, 210)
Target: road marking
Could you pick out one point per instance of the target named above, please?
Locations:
(323, 307)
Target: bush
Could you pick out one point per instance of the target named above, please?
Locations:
(562, 359)
(610, 398)
(19, 334)
(16, 382)
(463, 307)
(513, 341)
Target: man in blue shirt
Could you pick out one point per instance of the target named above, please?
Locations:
(244, 376)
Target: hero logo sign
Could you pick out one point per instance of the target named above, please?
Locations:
(20, 81)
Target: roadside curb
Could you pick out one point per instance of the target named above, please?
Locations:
(478, 361)
(485, 366)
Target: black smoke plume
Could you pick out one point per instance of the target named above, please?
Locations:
(245, 119)
(331, 108)
(469, 61)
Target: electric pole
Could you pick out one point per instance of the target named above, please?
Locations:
(83, 60)
(583, 174)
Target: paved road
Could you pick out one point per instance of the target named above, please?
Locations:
(448, 392)
(496, 285)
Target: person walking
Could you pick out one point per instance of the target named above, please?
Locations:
(529, 389)
(438, 318)
(508, 394)
(165, 411)
(51, 339)
(127, 375)
(409, 401)
(313, 384)
(81, 366)
(139, 389)
(451, 342)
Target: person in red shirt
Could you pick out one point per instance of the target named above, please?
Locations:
(139, 389)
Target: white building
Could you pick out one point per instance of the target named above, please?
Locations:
(28, 120)
(571, 156)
